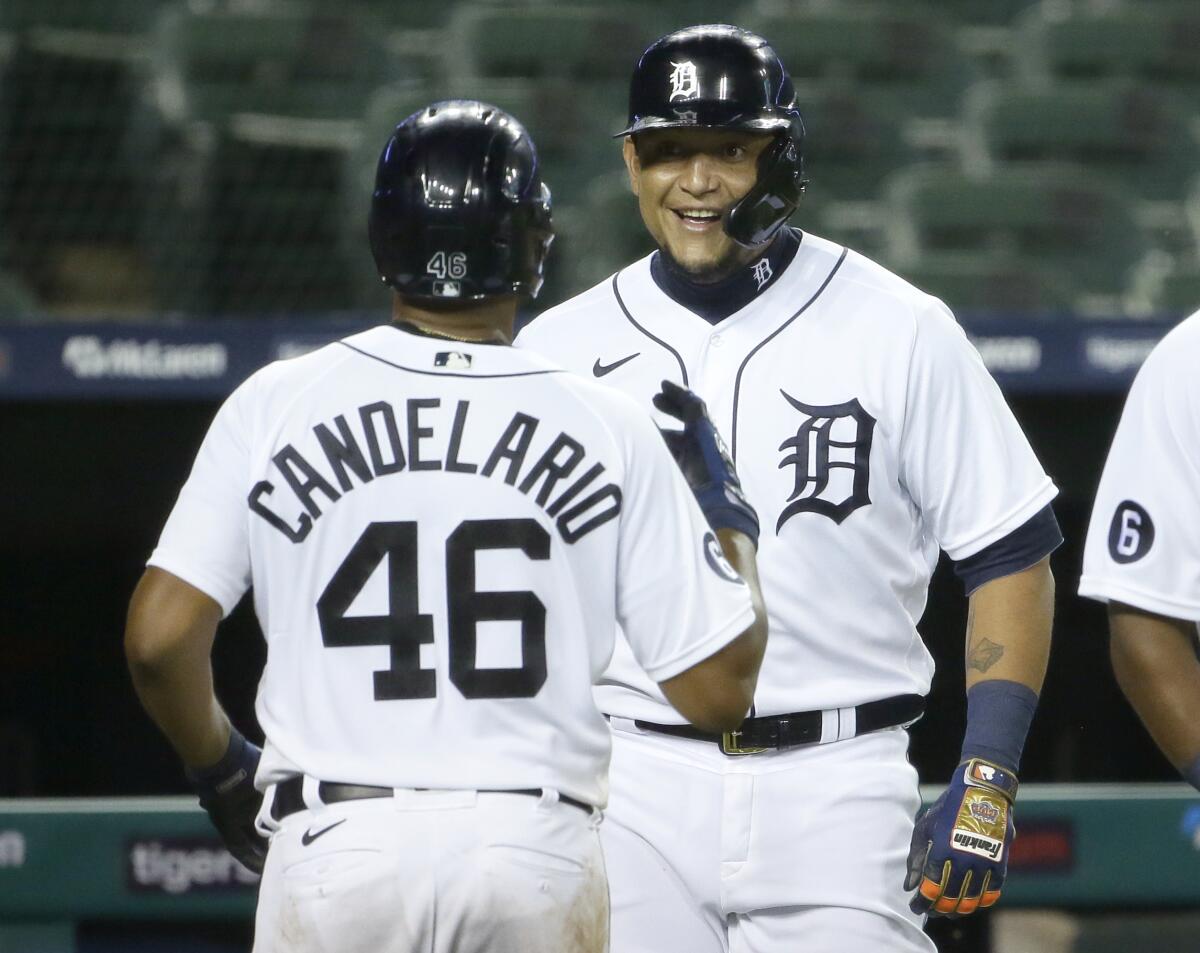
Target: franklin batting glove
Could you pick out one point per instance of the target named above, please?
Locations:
(960, 846)
(701, 455)
(228, 794)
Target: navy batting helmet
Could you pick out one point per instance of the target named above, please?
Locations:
(720, 76)
(460, 211)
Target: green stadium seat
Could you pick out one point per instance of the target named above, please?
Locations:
(903, 56)
(552, 43)
(1166, 289)
(16, 300)
(975, 284)
(608, 231)
(852, 143)
(1136, 134)
(255, 112)
(65, 95)
(1062, 216)
(1151, 42)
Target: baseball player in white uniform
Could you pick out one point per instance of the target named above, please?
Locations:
(442, 533)
(868, 436)
(1143, 546)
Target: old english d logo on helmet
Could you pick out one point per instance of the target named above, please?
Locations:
(722, 77)
(683, 81)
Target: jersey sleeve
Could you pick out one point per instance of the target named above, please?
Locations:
(965, 461)
(1143, 541)
(678, 599)
(206, 541)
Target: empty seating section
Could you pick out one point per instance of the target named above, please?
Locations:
(1138, 135)
(1061, 216)
(1151, 41)
(216, 156)
(902, 55)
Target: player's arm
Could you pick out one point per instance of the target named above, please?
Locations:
(959, 854)
(715, 694)
(169, 635)
(198, 572)
(1009, 620)
(1154, 660)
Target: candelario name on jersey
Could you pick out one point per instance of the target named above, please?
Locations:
(379, 439)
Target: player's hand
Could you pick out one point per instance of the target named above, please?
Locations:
(959, 851)
(701, 455)
(228, 794)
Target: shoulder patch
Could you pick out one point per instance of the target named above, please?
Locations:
(1131, 533)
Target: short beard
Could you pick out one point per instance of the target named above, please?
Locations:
(708, 274)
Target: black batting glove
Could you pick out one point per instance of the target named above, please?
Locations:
(228, 794)
(701, 455)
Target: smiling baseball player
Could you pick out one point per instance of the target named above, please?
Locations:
(1143, 547)
(868, 436)
(442, 533)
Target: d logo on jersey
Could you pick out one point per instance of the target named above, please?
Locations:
(831, 452)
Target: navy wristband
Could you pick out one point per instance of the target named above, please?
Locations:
(999, 713)
(230, 770)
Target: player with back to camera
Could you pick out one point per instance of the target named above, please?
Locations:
(1142, 555)
(441, 532)
(868, 435)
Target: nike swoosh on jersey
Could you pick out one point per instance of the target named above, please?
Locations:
(601, 369)
(308, 836)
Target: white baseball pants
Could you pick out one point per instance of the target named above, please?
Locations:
(435, 872)
(800, 851)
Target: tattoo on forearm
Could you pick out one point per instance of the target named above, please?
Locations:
(984, 654)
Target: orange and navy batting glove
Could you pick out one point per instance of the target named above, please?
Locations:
(960, 846)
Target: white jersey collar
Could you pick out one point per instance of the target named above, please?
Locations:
(659, 315)
(422, 354)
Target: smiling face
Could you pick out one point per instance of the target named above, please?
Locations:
(686, 180)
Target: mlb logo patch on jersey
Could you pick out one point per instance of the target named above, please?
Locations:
(453, 360)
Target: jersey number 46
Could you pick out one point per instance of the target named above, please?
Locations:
(404, 629)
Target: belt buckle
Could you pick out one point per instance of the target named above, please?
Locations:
(730, 744)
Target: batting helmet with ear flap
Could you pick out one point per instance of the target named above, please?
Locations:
(722, 77)
(460, 211)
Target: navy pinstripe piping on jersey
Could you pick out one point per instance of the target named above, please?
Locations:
(415, 370)
(737, 381)
(658, 341)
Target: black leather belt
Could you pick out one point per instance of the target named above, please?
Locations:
(799, 728)
(289, 795)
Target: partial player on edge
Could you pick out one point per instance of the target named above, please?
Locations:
(1142, 555)
(442, 533)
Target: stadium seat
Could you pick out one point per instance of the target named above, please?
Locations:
(16, 300)
(1152, 42)
(975, 284)
(253, 113)
(851, 142)
(1062, 216)
(1165, 288)
(1135, 134)
(551, 43)
(902, 56)
(601, 234)
(65, 94)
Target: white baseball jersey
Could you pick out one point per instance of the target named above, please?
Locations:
(1143, 543)
(441, 538)
(868, 435)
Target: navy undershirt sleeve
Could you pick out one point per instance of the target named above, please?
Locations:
(1029, 543)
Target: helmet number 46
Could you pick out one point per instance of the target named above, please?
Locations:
(447, 265)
